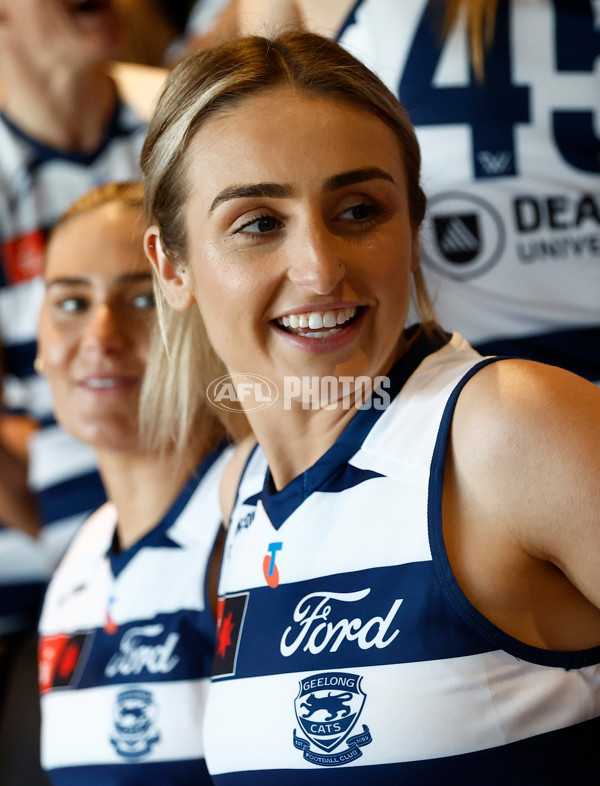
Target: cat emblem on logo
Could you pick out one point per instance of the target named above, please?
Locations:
(328, 706)
(134, 717)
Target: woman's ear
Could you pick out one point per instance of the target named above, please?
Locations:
(173, 279)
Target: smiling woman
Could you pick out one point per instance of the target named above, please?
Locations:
(133, 601)
(410, 589)
(96, 319)
(366, 198)
(311, 229)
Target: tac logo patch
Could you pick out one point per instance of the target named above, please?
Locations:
(463, 235)
(134, 716)
(61, 658)
(328, 706)
(230, 621)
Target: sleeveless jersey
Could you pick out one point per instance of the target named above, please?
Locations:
(126, 644)
(511, 239)
(346, 652)
(37, 184)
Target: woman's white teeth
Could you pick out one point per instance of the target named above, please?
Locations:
(102, 383)
(315, 320)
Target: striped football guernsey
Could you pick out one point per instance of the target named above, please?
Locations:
(126, 647)
(347, 653)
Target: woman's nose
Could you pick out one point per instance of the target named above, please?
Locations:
(317, 263)
(104, 330)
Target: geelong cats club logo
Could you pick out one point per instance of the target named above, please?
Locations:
(134, 717)
(328, 706)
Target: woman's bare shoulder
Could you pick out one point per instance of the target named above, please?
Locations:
(525, 458)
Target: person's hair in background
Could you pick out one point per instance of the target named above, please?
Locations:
(266, 18)
(151, 26)
(161, 32)
(128, 192)
(173, 393)
(480, 19)
(207, 84)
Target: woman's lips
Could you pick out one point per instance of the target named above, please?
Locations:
(108, 382)
(321, 331)
(318, 324)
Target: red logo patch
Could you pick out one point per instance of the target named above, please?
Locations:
(58, 657)
(230, 621)
(24, 256)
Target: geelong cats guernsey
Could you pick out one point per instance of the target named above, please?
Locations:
(511, 166)
(37, 184)
(346, 652)
(126, 647)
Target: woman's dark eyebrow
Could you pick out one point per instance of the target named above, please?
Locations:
(272, 190)
(66, 281)
(356, 176)
(278, 191)
(127, 278)
(80, 281)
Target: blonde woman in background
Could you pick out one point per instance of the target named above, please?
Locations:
(128, 625)
(64, 128)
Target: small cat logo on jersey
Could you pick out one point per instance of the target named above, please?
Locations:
(328, 705)
(134, 715)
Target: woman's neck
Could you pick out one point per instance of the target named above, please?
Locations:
(142, 488)
(293, 435)
(66, 110)
(294, 439)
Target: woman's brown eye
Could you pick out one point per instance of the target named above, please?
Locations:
(260, 225)
(360, 212)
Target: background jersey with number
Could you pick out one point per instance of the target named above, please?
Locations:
(126, 644)
(37, 184)
(511, 241)
(346, 652)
